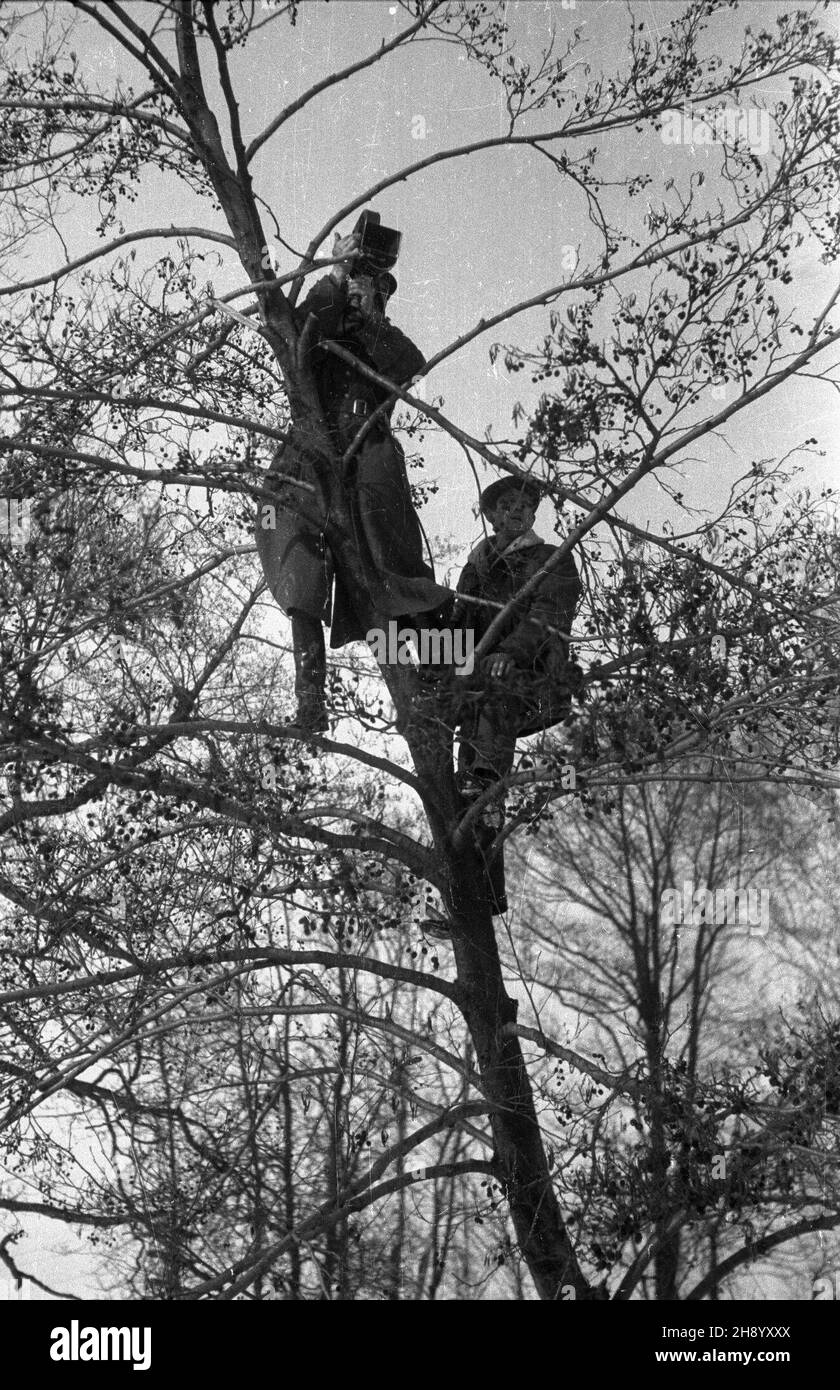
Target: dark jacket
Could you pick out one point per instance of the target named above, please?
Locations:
(383, 347)
(296, 561)
(532, 638)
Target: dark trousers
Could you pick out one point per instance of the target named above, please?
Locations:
(309, 653)
(490, 719)
(489, 725)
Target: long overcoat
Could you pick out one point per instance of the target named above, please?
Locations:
(542, 676)
(297, 562)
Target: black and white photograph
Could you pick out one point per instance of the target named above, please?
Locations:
(419, 670)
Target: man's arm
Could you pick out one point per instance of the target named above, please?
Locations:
(395, 355)
(327, 299)
(467, 586)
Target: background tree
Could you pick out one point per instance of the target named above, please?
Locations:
(708, 1162)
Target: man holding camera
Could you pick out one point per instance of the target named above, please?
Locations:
(349, 308)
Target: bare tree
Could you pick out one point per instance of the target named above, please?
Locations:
(135, 712)
(701, 1159)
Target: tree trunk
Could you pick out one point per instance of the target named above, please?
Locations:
(487, 1008)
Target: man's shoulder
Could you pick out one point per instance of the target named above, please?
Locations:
(477, 551)
(325, 290)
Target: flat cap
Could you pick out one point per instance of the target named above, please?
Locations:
(490, 496)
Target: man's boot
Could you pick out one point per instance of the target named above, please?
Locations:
(310, 673)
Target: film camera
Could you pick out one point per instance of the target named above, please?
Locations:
(378, 246)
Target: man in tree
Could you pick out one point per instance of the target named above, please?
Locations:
(348, 306)
(527, 681)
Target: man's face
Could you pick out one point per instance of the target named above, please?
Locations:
(361, 297)
(513, 515)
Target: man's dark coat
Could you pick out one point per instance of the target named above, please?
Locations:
(542, 675)
(296, 561)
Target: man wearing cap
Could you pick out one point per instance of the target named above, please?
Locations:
(349, 307)
(526, 681)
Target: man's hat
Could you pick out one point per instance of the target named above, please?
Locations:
(491, 495)
(385, 283)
